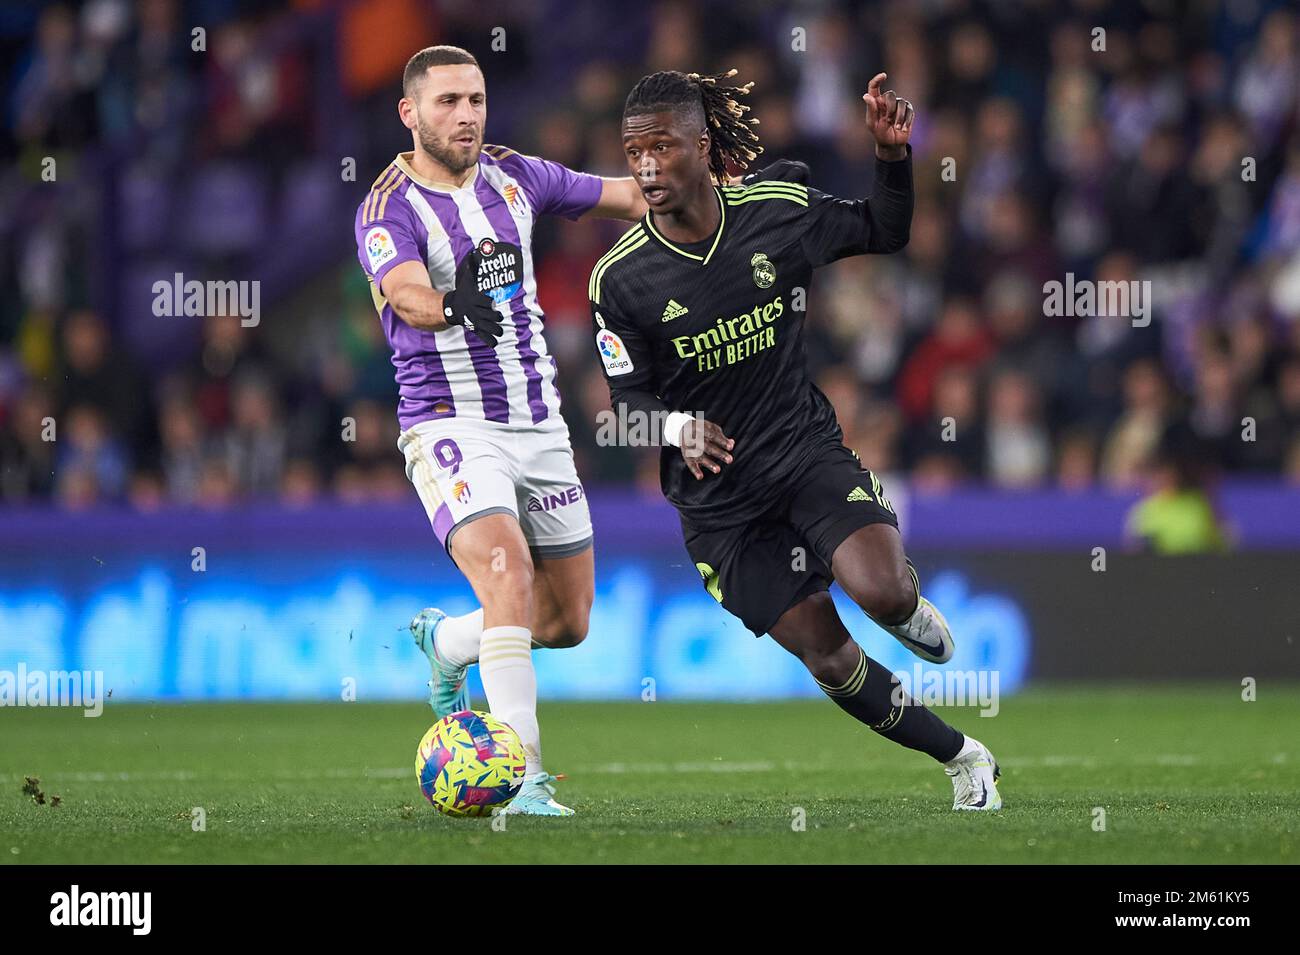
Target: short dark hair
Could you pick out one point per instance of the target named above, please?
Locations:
(430, 56)
(705, 100)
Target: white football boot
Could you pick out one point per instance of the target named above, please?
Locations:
(537, 798)
(925, 633)
(974, 774)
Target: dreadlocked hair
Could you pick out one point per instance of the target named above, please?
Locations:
(732, 138)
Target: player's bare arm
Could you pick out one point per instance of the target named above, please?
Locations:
(413, 297)
(416, 302)
(620, 199)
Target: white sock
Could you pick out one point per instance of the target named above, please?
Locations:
(505, 663)
(968, 746)
(458, 638)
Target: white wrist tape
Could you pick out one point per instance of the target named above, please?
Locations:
(673, 427)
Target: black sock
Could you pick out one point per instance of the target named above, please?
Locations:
(872, 694)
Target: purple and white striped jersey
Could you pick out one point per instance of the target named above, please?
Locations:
(452, 373)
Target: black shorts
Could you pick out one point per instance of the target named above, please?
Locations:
(759, 570)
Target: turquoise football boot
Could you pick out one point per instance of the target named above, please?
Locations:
(447, 690)
(536, 798)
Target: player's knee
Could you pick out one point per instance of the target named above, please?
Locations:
(510, 571)
(568, 627)
(563, 634)
(507, 582)
(575, 625)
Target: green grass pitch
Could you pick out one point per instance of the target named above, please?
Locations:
(1184, 774)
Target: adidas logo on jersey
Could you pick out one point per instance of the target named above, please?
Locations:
(857, 494)
(673, 310)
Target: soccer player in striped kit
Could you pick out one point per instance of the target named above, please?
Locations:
(445, 237)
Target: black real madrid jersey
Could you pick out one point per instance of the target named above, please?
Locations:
(715, 329)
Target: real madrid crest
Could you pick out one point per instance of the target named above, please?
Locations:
(764, 271)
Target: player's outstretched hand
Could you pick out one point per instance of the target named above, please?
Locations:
(889, 119)
(704, 446)
(783, 170)
(467, 305)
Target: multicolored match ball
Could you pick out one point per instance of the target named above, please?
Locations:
(470, 764)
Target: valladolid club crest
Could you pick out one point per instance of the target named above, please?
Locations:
(764, 271)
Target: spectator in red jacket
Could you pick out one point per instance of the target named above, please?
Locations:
(959, 339)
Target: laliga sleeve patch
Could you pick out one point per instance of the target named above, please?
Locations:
(613, 353)
(380, 248)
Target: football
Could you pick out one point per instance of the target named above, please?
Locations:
(469, 764)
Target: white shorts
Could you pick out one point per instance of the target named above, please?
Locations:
(465, 469)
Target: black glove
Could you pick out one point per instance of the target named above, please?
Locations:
(783, 170)
(466, 305)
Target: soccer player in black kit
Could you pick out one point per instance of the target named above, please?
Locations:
(699, 319)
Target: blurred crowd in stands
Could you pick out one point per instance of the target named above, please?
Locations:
(1095, 138)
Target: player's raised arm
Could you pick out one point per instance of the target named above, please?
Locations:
(889, 120)
(882, 222)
